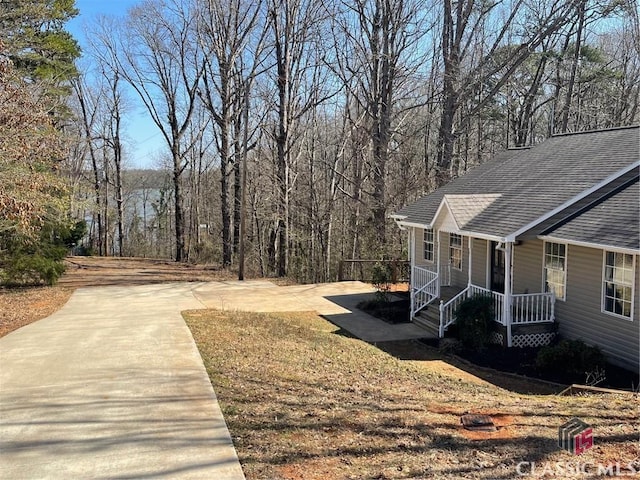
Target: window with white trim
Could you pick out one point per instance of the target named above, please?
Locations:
(618, 284)
(555, 268)
(428, 244)
(455, 250)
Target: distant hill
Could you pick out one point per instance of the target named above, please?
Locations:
(146, 179)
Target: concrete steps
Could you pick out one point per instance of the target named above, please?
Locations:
(429, 322)
(429, 317)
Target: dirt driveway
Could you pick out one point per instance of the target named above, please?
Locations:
(103, 271)
(21, 306)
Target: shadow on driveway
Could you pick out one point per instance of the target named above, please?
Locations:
(369, 328)
(407, 341)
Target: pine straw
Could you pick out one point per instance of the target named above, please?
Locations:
(304, 401)
(20, 307)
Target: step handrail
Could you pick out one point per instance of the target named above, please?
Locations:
(417, 302)
(446, 310)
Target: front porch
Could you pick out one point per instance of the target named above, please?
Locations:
(522, 319)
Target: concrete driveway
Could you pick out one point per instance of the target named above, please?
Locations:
(334, 301)
(112, 385)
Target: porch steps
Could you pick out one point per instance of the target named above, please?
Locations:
(429, 317)
(447, 293)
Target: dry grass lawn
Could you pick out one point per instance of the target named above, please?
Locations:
(303, 401)
(22, 306)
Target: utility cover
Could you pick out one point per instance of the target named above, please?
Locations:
(477, 422)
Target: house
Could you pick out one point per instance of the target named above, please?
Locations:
(551, 232)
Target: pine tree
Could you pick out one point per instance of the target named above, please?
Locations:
(36, 65)
(36, 41)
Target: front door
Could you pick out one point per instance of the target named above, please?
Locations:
(497, 268)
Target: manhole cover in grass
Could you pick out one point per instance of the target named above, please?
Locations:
(482, 423)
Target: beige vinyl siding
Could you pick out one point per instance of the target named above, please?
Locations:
(418, 252)
(581, 316)
(479, 263)
(527, 267)
(459, 278)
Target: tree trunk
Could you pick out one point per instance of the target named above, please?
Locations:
(282, 139)
(237, 181)
(451, 38)
(574, 68)
(178, 202)
(117, 160)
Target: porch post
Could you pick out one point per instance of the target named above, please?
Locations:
(412, 263)
(470, 246)
(507, 291)
(438, 266)
(412, 247)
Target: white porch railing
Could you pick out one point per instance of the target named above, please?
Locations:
(525, 308)
(446, 310)
(533, 308)
(498, 301)
(445, 273)
(424, 288)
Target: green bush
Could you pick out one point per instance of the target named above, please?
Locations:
(381, 280)
(34, 261)
(573, 357)
(34, 269)
(474, 320)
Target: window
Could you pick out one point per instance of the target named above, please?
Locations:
(428, 244)
(455, 250)
(618, 283)
(555, 269)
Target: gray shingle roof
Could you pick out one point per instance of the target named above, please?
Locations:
(465, 208)
(532, 183)
(612, 222)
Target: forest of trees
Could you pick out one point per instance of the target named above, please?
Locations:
(292, 129)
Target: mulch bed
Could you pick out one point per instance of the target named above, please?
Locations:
(395, 310)
(522, 361)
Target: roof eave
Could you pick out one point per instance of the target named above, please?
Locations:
(599, 246)
(402, 223)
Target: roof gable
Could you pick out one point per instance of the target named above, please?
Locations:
(465, 208)
(444, 218)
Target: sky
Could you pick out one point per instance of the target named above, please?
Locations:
(144, 143)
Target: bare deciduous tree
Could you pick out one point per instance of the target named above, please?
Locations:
(161, 59)
(470, 43)
(226, 30)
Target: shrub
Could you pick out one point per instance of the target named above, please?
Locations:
(26, 269)
(474, 318)
(572, 358)
(381, 280)
(33, 261)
